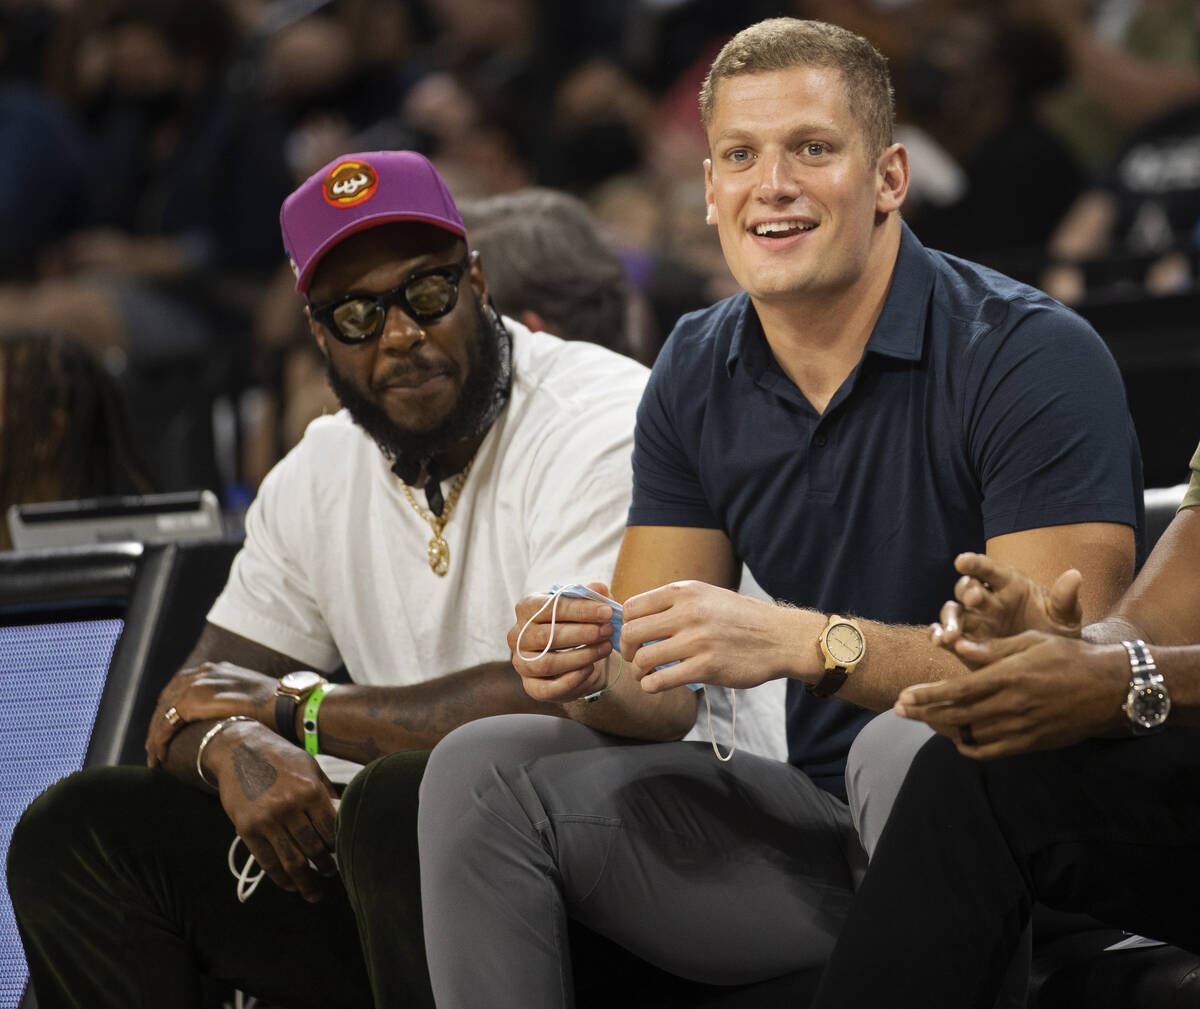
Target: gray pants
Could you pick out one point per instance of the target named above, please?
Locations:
(875, 769)
(718, 872)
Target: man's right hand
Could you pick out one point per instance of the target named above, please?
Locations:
(571, 665)
(994, 600)
(280, 803)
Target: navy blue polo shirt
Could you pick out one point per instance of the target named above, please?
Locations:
(980, 407)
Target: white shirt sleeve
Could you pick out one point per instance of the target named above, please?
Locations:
(270, 596)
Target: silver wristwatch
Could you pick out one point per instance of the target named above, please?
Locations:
(1148, 703)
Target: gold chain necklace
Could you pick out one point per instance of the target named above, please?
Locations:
(439, 549)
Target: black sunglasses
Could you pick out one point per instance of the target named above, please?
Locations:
(425, 296)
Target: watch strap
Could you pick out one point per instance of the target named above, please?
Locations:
(285, 716)
(1141, 662)
(830, 683)
(311, 707)
(1143, 674)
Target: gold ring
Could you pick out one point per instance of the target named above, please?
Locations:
(172, 715)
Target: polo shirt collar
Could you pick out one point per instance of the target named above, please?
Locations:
(899, 331)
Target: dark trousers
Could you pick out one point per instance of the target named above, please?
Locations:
(124, 899)
(1109, 828)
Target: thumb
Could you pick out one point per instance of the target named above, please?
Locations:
(601, 588)
(1064, 598)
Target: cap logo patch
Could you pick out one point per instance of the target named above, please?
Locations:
(350, 183)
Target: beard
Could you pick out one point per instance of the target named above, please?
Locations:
(483, 396)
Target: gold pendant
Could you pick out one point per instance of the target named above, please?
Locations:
(439, 555)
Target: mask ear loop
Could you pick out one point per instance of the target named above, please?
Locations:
(246, 884)
(712, 736)
(553, 599)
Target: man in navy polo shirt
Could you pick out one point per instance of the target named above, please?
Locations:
(865, 410)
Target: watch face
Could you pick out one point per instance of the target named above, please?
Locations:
(1147, 705)
(299, 682)
(844, 643)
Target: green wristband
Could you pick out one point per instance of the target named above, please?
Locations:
(311, 706)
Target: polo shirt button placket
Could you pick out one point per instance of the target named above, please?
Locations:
(819, 440)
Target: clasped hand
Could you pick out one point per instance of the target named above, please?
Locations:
(1035, 684)
(280, 804)
(210, 690)
(683, 632)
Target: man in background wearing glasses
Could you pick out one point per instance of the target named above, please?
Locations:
(474, 462)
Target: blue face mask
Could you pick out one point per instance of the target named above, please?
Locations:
(578, 591)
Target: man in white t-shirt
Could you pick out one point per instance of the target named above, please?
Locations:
(474, 462)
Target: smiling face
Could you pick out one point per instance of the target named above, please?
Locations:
(797, 199)
(413, 386)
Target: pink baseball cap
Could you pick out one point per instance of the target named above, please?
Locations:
(359, 191)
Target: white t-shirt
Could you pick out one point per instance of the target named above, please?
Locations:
(335, 567)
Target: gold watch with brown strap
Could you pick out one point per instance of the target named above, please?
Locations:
(843, 645)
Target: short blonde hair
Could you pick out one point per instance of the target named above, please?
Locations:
(785, 43)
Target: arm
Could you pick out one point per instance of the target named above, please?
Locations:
(741, 642)
(1036, 690)
(1163, 604)
(227, 674)
(274, 793)
(276, 797)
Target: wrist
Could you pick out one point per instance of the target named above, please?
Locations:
(1111, 676)
(218, 743)
(800, 656)
(291, 694)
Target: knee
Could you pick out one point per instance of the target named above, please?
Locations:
(55, 830)
(378, 809)
(876, 766)
(475, 765)
(479, 751)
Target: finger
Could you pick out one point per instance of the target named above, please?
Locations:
(286, 864)
(554, 665)
(159, 734)
(646, 639)
(312, 846)
(1000, 748)
(1064, 598)
(960, 691)
(984, 569)
(984, 653)
(538, 638)
(677, 673)
(950, 616)
(652, 601)
(976, 597)
(569, 686)
(268, 860)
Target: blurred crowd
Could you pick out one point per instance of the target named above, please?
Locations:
(148, 144)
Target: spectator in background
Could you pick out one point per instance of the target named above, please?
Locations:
(162, 266)
(549, 268)
(175, 239)
(42, 147)
(63, 431)
(1136, 104)
(976, 83)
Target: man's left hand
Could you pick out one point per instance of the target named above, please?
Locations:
(714, 635)
(1033, 691)
(210, 690)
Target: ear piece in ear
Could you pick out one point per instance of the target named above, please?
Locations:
(710, 215)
